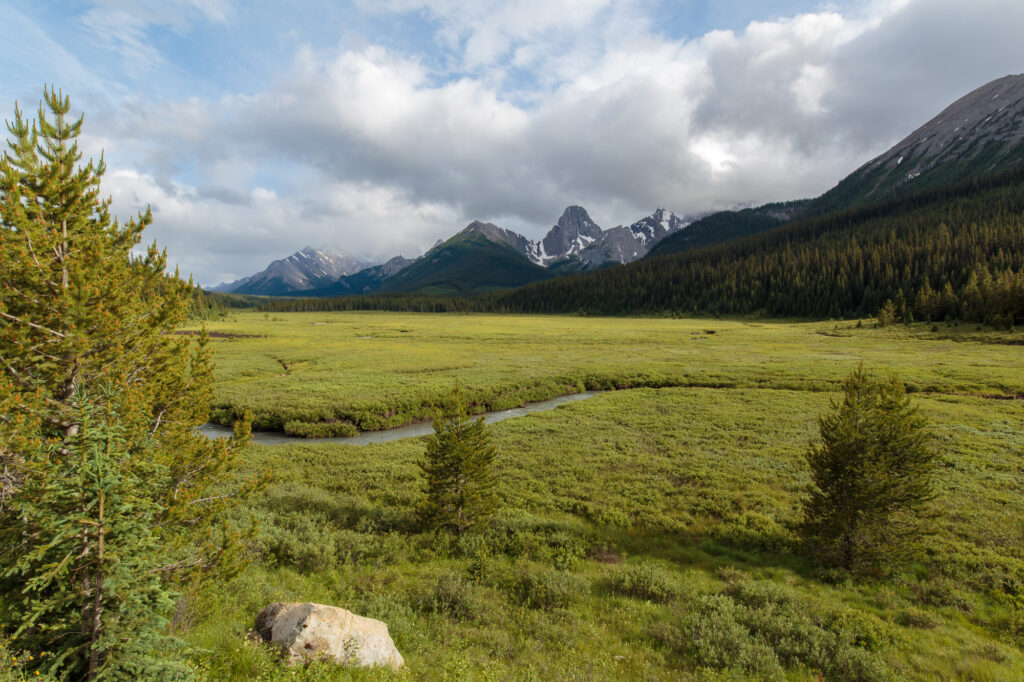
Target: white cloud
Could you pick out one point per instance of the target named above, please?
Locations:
(221, 236)
(490, 31)
(123, 26)
(382, 153)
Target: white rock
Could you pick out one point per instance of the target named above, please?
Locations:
(314, 631)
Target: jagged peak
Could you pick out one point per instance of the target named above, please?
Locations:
(574, 215)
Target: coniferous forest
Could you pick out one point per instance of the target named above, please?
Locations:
(956, 252)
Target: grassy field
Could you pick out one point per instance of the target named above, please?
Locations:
(331, 373)
(644, 533)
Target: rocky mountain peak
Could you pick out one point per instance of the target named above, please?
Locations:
(307, 268)
(573, 232)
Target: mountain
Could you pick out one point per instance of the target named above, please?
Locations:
(577, 243)
(626, 244)
(728, 225)
(475, 260)
(982, 132)
(954, 251)
(573, 232)
(498, 235)
(363, 282)
(485, 257)
(932, 224)
(306, 269)
(573, 244)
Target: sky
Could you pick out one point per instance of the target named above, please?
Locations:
(255, 128)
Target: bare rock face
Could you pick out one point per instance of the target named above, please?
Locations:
(314, 631)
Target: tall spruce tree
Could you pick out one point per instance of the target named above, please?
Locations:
(458, 469)
(872, 478)
(109, 495)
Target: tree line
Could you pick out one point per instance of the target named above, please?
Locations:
(955, 252)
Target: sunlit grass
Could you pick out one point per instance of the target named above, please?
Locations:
(379, 370)
(623, 515)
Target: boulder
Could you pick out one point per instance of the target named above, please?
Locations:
(309, 632)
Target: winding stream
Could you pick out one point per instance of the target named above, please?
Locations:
(411, 431)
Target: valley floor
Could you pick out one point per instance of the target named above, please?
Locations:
(644, 533)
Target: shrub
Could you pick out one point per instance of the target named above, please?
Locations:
(645, 581)
(752, 530)
(451, 595)
(300, 539)
(916, 618)
(762, 628)
(304, 429)
(546, 588)
(710, 635)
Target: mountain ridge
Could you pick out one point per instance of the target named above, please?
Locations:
(574, 243)
(981, 132)
(307, 268)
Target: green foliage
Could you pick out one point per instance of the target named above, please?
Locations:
(717, 228)
(108, 494)
(761, 629)
(452, 595)
(888, 315)
(645, 581)
(459, 483)
(381, 370)
(752, 530)
(102, 612)
(546, 588)
(872, 477)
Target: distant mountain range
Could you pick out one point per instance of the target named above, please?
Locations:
(466, 263)
(980, 134)
(306, 269)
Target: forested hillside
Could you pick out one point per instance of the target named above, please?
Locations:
(465, 264)
(715, 229)
(956, 251)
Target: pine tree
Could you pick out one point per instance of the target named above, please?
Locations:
(458, 470)
(871, 478)
(111, 494)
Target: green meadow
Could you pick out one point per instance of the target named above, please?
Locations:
(331, 373)
(644, 533)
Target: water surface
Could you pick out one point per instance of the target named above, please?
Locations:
(411, 431)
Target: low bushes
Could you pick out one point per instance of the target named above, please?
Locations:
(546, 588)
(645, 581)
(761, 629)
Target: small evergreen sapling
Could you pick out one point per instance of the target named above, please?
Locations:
(871, 478)
(458, 469)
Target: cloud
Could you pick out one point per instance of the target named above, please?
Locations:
(220, 234)
(383, 151)
(488, 32)
(124, 26)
